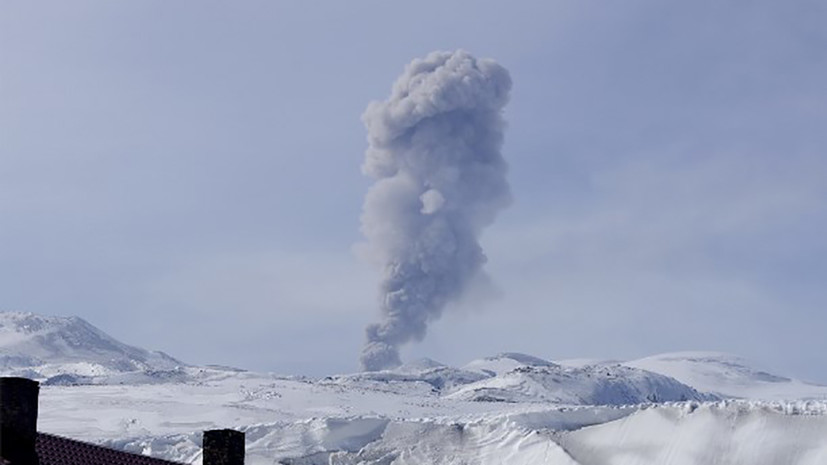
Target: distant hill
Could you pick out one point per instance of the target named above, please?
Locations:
(507, 408)
(68, 349)
(728, 376)
(523, 378)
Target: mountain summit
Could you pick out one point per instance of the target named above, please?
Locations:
(39, 347)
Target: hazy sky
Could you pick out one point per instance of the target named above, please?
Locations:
(185, 175)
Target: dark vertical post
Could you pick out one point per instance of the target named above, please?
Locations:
(18, 421)
(223, 447)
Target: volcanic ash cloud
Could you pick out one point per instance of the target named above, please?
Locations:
(434, 150)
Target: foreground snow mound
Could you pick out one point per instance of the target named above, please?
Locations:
(510, 408)
(428, 442)
(587, 385)
(70, 350)
(728, 376)
(732, 433)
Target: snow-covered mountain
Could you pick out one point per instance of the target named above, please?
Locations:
(521, 378)
(68, 349)
(510, 408)
(728, 376)
(537, 380)
(424, 374)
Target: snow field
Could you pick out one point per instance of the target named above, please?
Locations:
(716, 433)
(507, 409)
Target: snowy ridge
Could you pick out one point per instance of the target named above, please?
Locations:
(510, 408)
(752, 433)
(588, 385)
(505, 362)
(425, 374)
(70, 350)
(728, 376)
(303, 421)
(724, 432)
(399, 417)
(520, 378)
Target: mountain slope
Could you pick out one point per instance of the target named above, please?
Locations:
(728, 376)
(40, 347)
(510, 408)
(521, 378)
(505, 362)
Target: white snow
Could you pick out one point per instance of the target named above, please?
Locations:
(716, 433)
(728, 375)
(510, 408)
(40, 347)
(505, 362)
(588, 385)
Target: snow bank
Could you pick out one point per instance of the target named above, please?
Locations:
(510, 408)
(733, 433)
(719, 433)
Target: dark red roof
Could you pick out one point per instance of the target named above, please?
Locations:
(56, 450)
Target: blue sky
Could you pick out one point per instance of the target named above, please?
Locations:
(185, 175)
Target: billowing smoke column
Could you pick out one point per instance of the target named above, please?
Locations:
(440, 179)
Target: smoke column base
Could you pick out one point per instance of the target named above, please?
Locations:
(434, 150)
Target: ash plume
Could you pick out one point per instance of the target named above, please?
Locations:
(434, 150)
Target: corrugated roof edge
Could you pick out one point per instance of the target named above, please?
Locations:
(57, 450)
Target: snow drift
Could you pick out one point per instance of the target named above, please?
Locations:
(509, 408)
